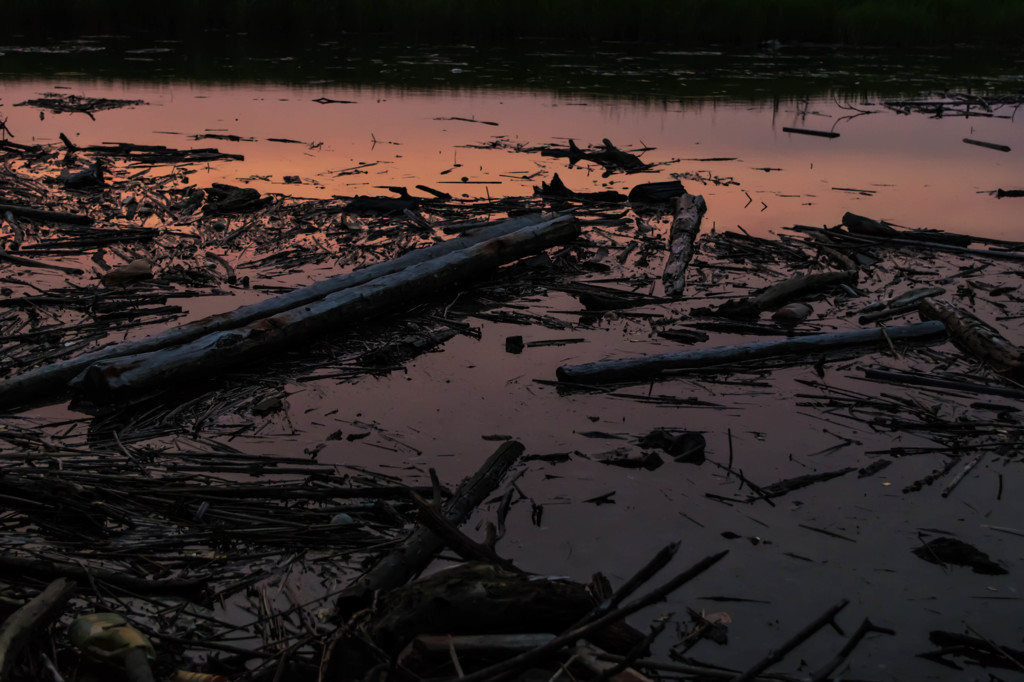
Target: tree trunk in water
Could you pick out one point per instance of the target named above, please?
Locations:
(52, 381)
(112, 379)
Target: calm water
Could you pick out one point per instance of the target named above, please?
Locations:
(909, 169)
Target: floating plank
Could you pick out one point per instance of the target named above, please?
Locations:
(987, 145)
(805, 131)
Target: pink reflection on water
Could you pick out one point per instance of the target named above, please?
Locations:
(914, 171)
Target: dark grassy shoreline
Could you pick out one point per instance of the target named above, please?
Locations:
(682, 23)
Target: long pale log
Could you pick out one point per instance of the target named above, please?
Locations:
(22, 625)
(649, 366)
(690, 210)
(112, 379)
(974, 335)
(52, 381)
(419, 548)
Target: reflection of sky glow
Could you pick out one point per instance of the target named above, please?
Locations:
(919, 168)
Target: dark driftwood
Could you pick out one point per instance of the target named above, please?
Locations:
(805, 131)
(22, 625)
(44, 215)
(28, 263)
(779, 294)
(974, 335)
(113, 379)
(419, 548)
(690, 210)
(867, 226)
(647, 367)
(41, 568)
(52, 381)
(988, 145)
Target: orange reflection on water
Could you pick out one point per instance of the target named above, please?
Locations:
(910, 170)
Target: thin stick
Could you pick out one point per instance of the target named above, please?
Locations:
(513, 666)
(799, 638)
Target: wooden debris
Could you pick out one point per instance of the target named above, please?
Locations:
(690, 211)
(647, 367)
(778, 294)
(117, 378)
(26, 623)
(419, 548)
(987, 145)
(975, 336)
(806, 131)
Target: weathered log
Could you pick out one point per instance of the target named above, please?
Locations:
(974, 335)
(690, 210)
(647, 367)
(22, 625)
(46, 216)
(419, 548)
(866, 226)
(113, 379)
(52, 381)
(779, 294)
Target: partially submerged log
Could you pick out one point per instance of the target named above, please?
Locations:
(690, 211)
(111, 380)
(52, 381)
(779, 294)
(650, 366)
(975, 336)
(44, 215)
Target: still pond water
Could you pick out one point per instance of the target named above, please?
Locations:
(714, 121)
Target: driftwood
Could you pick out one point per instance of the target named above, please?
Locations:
(647, 367)
(22, 625)
(974, 335)
(778, 294)
(46, 216)
(52, 381)
(419, 548)
(988, 145)
(806, 131)
(690, 210)
(113, 379)
(867, 226)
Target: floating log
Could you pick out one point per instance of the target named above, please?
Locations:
(987, 145)
(45, 216)
(116, 378)
(805, 131)
(650, 366)
(866, 226)
(974, 335)
(690, 210)
(778, 294)
(52, 381)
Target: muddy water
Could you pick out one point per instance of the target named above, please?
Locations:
(443, 409)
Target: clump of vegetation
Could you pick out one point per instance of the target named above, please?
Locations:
(681, 22)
